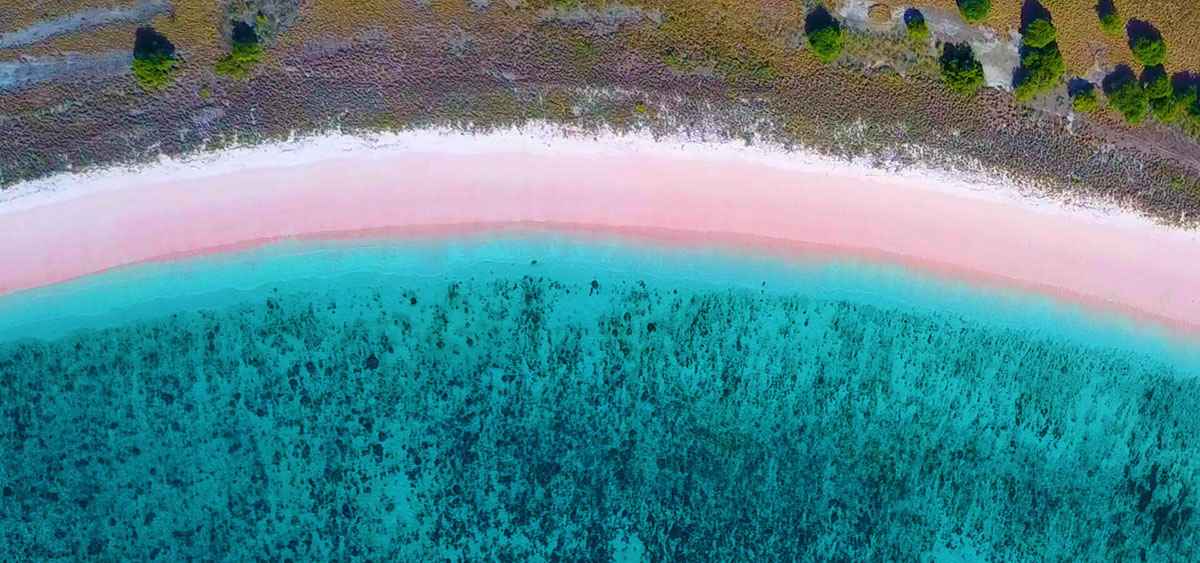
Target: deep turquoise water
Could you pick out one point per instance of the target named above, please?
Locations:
(527, 397)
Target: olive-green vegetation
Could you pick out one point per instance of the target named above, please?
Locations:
(1126, 94)
(153, 59)
(1040, 71)
(1187, 102)
(240, 61)
(824, 33)
(245, 54)
(1148, 49)
(962, 72)
(1085, 99)
(1156, 82)
(1039, 34)
(918, 30)
(974, 11)
(1164, 110)
(1110, 19)
(1161, 93)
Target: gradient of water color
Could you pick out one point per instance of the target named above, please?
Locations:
(530, 397)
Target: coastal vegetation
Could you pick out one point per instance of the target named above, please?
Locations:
(840, 84)
(962, 72)
(1146, 43)
(1110, 20)
(974, 11)
(1126, 94)
(916, 28)
(153, 58)
(1084, 97)
(824, 34)
(246, 53)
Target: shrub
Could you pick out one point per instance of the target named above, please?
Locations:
(1148, 47)
(153, 58)
(1041, 69)
(824, 34)
(1157, 83)
(1127, 95)
(1113, 23)
(1040, 33)
(1085, 99)
(244, 56)
(1110, 20)
(974, 11)
(918, 30)
(1187, 102)
(960, 69)
(1164, 110)
(240, 62)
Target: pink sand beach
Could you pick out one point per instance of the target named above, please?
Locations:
(1134, 268)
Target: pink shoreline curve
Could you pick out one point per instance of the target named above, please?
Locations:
(1148, 273)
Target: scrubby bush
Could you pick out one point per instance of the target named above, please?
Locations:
(240, 61)
(1110, 20)
(244, 56)
(824, 33)
(1085, 99)
(1164, 110)
(960, 69)
(1113, 23)
(1187, 102)
(1125, 93)
(1039, 34)
(918, 30)
(1157, 83)
(1147, 44)
(974, 11)
(153, 58)
(1041, 69)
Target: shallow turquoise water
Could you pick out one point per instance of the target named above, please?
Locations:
(525, 397)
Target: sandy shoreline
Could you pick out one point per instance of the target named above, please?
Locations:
(1100, 258)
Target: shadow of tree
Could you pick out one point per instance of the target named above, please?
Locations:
(819, 18)
(1117, 78)
(1077, 85)
(244, 34)
(913, 16)
(1141, 31)
(1105, 8)
(147, 42)
(1031, 11)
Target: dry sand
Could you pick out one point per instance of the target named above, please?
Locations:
(74, 226)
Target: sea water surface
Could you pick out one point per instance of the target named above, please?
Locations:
(529, 396)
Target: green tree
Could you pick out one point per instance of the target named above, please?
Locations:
(1127, 95)
(1148, 48)
(1112, 23)
(824, 33)
(245, 54)
(974, 11)
(1110, 19)
(960, 69)
(1164, 110)
(1187, 102)
(1085, 99)
(153, 59)
(1040, 33)
(918, 30)
(1157, 83)
(1041, 69)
